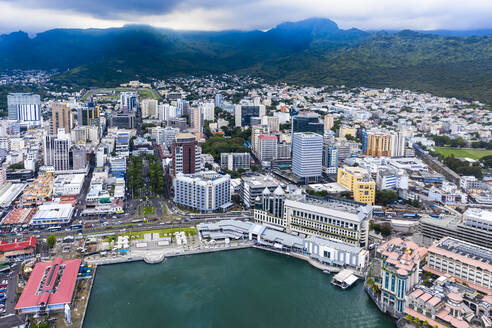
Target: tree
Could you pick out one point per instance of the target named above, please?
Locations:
(51, 241)
(350, 137)
(16, 166)
(385, 197)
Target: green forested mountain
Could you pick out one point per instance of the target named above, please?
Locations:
(313, 51)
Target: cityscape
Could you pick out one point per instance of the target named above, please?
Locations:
(229, 197)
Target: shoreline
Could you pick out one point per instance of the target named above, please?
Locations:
(135, 258)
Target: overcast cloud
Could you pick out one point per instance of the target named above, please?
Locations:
(39, 15)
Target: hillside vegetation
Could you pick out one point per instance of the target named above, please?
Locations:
(314, 51)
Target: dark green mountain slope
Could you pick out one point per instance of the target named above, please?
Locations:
(313, 51)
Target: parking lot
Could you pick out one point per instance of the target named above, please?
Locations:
(8, 291)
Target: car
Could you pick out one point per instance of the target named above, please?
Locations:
(3, 286)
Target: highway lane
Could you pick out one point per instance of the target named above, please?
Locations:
(113, 227)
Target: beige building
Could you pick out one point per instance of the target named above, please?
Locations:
(328, 122)
(344, 130)
(378, 144)
(61, 118)
(465, 262)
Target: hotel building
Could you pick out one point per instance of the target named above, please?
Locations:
(204, 191)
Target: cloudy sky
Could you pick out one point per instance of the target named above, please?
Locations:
(38, 15)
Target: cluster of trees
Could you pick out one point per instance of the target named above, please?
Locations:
(463, 168)
(218, 144)
(486, 161)
(321, 193)
(156, 176)
(445, 141)
(16, 166)
(383, 228)
(135, 175)
(482, 144)
(385, 197)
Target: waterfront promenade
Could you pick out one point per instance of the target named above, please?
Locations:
(150, 255)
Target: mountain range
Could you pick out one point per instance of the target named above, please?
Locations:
(314, 51)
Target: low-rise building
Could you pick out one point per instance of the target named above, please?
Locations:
(68, 184)
(253, 186)
(359, 182)
(465, 262)
(53, 214)
(235, 161)
(50, 286)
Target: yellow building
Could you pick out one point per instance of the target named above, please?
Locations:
(359, 182)
(344, 130)
(378, 144)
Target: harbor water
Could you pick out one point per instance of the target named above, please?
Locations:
(240, 288)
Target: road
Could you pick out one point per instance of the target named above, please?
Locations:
(116, 225)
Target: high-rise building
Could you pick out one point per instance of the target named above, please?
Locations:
(208, 111)
(272, 123)
(196, 121)
(359, 182)
(149, 108)
(378, 144)
(218, 100)
(244, 113)
(307, 152)
(256, 131)
(204, 191)
(183, 107)
(57, 151)
(330, 157)
(267, 148)
(24, 107)
(397, 144)
(186, 154)
(128, 101)
(328, 122)
(284, 150)
(307, 122)
(88, 115)
(61, 118)
(78, 157)
(164, 135)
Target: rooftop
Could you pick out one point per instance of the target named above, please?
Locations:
(331, 206)
(465, 252)
(17, 245)
(50, 283)
(19, 216)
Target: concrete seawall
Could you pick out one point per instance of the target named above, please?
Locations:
(135, 258)
(88, 296)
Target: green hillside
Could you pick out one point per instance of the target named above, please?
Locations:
(313, 51)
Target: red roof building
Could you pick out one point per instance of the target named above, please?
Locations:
(50, 286)
(17, 245)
